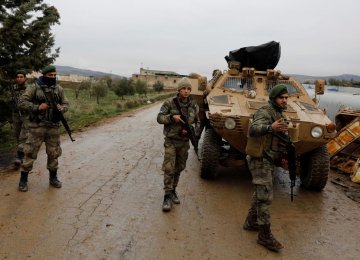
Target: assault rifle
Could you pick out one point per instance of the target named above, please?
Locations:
(189, 128)
(291, 156)
(14, 98)
(49, 95)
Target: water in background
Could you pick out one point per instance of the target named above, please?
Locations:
(335, 98)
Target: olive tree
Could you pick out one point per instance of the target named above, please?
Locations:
(123, 87)
(141, 87)
(99, 89)
(84, 85)
(158, 86)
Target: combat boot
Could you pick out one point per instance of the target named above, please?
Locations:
(167, 204)
(250, 223)
(175, 197)
(267, 239)
(53, 180)
(23, 181)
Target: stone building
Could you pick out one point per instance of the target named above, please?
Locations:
(168, 78)
(62, 77)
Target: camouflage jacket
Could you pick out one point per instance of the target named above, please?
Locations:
(34, 95)
(259, 128)
(11, 95)
(16, 93)
(168, 109)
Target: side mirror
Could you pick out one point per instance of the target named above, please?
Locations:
(319, 86)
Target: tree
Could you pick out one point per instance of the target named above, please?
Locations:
(121, 87)
(108, 81)
(141, 87)
(25, 37)
(26, 41)
(84, 85)
(158, 86)
(99, 89)
(130, 88)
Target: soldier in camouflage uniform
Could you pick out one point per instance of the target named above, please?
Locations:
(176, 139)
(266, 120)
(44, 125)
(20, 118)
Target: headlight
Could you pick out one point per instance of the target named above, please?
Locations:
(316, 132)
(230, 123)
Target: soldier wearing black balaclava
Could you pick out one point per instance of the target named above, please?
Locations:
(44, 124)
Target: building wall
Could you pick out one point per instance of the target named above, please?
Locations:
(68, 77)
(168, 78)
(170, 82)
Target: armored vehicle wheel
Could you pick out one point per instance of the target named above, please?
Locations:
(315, 168)
(211, 150)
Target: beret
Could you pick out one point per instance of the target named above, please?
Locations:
(47, 69)
(277, 91)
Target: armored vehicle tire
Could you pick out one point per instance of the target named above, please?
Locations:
(315, 168)
(211, 150)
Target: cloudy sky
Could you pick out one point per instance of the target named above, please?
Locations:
(317, 37)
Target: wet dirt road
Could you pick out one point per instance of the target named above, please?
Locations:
(110, 206)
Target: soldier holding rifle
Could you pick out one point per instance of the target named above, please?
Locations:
(177, 115)
(265, 151)
(44, 124)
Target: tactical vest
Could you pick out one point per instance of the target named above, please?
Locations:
(189, 109)
(46, 116)
(268, 145)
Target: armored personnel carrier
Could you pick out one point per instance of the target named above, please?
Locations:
(233, 96)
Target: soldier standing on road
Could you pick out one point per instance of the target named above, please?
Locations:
(44, 124)
(267, 120)
(176, 139)
(20, 117)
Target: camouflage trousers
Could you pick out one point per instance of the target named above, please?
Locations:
(175, 157)
(21, 129)
(262, 172)
(36, 136)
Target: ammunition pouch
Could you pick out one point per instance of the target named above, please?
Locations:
(254, 146)
(35, 117)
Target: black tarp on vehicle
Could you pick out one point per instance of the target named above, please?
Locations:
(261, 57)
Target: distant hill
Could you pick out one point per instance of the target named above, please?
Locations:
(66, 70)
(303, 78)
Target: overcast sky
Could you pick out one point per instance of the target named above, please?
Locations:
(317, 37)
